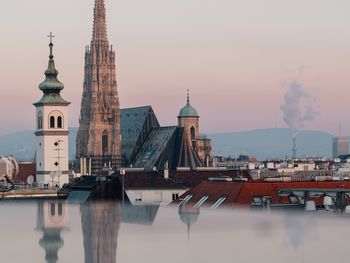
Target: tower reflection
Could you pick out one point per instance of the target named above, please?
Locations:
(100, 224)
(52, 218)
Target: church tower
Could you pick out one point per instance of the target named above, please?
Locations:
(188, 119)
(99, 138)
(51, 130)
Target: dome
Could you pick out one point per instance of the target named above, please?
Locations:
(188, 110)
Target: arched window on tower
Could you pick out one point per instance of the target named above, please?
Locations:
(193, 133)
(104, 142)
(59, 122)
(52, 122)
(40, 120)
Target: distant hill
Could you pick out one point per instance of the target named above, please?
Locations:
(272, 143)
(22, 144)
(264, 144)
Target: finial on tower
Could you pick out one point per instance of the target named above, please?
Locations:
(188, 96)
(51, 36)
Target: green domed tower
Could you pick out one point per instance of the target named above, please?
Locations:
(189, 120)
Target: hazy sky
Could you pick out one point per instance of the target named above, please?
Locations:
(234, 56)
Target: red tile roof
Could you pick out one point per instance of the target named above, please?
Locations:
(241, 193)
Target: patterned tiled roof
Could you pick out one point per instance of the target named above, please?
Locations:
(132, 121)
(153, 148)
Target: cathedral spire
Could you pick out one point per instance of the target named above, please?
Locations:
(100, 26)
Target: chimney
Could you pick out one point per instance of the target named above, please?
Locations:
(166, 170)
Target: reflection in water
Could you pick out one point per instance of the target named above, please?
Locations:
(188, 215)
(52, 218)
(100, 223)
(141, 215)
(298, 227)
(254, 236)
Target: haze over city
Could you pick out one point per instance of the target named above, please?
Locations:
(234, 56)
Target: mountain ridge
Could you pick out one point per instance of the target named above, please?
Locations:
(261, 143)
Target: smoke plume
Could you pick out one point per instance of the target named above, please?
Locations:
(297, 107)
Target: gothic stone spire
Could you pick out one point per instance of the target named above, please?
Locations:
(99, 131)
(100, 27)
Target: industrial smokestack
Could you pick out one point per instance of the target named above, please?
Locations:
(297, 110)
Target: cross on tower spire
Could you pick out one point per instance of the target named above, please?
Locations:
(51, 36)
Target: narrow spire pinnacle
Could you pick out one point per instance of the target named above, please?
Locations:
(51, 45)
(100, 27)
(188, 96)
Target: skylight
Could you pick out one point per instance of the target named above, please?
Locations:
(186, 199)
(219, 202)
(201, 201)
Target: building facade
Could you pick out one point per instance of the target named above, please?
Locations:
(99, 138)
(340, 146)
(51, 130)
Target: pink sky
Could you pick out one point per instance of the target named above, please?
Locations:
(234, 56)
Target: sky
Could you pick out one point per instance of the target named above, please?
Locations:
(235, 56)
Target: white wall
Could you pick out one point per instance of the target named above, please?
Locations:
(46, 151)
(152, 196)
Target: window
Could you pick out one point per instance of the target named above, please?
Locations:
(219, 202)
(60, 209)
(40, 120)
(52, 209)
(294, 199)
(186, 199)
(55, 119)
(104, 142)
(257, 200)
(158, 197)
(193, 133)
(52, 122)
(201, 201)
(59, 122)
(175, 196)
(138, 197)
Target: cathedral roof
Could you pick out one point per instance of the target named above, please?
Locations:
(154, 147)
(188, 110)
(134, 121)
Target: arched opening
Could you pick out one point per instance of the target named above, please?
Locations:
(52, 122)
(40, 120)
(59, 122)
(60, 209)
(52, 210)
(193, 133)
(104, 142)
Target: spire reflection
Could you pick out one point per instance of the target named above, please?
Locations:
(100, 224)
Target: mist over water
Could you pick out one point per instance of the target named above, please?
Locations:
(55, 231)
